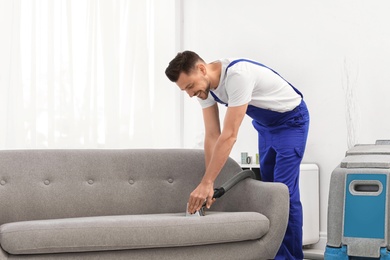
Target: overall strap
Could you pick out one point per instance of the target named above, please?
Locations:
(262, 65)
(257, 63)
(217, 99)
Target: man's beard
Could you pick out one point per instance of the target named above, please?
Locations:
(203, 94)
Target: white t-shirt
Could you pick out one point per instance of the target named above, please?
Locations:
(259, 86)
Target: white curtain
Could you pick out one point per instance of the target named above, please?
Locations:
(87, 74)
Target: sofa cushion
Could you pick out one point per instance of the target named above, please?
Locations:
(130, 232)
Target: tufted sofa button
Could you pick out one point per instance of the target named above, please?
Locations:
(90, 182)
(131, 182)
(170, 180)
(46, 182)
(2, 182)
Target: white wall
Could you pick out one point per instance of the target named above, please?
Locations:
(336, 52)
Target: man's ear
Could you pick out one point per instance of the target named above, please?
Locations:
(202, 68)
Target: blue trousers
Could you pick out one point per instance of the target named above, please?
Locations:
(282, 142)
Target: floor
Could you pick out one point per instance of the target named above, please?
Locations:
(313, 254)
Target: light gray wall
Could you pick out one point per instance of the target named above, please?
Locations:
(336, 52)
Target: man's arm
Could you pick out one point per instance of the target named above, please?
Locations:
(212, 131)
(219, 155)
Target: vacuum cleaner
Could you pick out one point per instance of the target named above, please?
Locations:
(219, 192)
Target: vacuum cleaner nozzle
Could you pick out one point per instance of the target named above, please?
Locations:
(196, 214)
(218, 192)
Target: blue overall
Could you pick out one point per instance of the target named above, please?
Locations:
(282, 142)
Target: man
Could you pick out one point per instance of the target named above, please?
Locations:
(279, 115)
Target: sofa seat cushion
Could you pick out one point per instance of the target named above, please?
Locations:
(130, 232)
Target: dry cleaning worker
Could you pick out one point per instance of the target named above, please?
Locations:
(279, 115)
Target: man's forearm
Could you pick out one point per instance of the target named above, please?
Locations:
(209, 145)
(219, 155)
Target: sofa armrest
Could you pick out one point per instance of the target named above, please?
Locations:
(268, 198)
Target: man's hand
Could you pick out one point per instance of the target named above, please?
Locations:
(203, 192)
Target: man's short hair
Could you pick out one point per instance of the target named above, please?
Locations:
(183, 62)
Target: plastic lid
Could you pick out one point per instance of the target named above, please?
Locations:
(366, 161)
(369, 149)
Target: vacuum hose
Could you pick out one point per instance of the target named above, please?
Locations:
(218, 192)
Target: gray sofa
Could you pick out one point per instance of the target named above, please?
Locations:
(130, 204)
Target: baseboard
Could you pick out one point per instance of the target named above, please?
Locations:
(316, 251)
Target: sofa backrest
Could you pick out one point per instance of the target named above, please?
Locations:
(47, 184)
